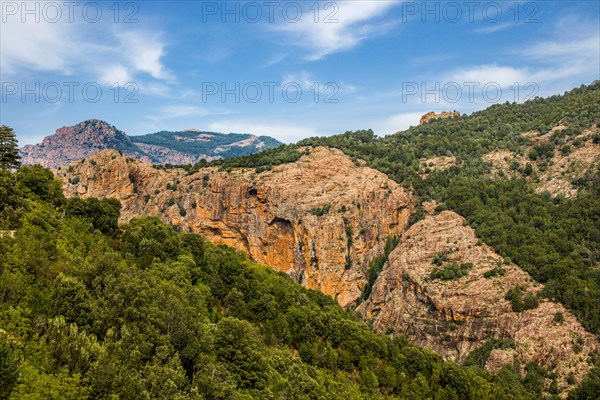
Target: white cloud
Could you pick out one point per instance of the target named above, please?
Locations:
(348, 26)
(166, 90)
(40, 46)
(274, 59)
(482, 74)
(569, 49)
(76, 50)
(281, 131)
(398, 122)
(143, 51)
(185, 111)
(550, 61)
(494, 28)
(115, 74)
(302, 78)
(312, 86)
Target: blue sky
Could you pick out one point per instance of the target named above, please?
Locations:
(282, 68)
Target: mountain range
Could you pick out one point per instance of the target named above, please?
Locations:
(165, 147)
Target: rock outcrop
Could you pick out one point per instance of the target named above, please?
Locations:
(432, 115)
(454, 317)
(77, 142)
(581, 156)
(186, 147)
(320, 219)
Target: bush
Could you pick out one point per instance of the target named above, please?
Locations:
(518, 304)
(558, 318)
(498, 271)
(451, 271)
(320, 211)
(439, 258)
(480, 356)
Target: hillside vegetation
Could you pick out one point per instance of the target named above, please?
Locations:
(556, 240)
(89, 309)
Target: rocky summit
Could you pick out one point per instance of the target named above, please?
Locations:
(432, 115)
(181, 147)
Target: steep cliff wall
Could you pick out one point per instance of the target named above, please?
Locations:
(454, 317)
(320, 219)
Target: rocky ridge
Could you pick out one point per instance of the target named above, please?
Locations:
(78, 142)
(454, 317)
(320, 219)
(89, 137)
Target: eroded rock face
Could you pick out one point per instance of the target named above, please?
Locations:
(320, 219)
(432, 115)
(455, 317)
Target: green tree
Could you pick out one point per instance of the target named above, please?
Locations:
(239, 347)
(8, 369)
(9, 149)
(39, 182)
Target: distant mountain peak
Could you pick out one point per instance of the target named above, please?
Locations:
(86, 138)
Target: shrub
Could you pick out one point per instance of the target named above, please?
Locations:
(439, 258)
(558, 318)
(494, 272)
(320, 211)
(518, 304)
(451, 271)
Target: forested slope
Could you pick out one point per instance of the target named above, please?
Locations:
(89, 309)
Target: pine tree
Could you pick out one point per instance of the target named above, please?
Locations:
(9, 149)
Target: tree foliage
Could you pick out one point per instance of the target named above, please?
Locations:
(9, 149)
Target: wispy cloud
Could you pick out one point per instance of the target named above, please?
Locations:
(398, 122)
(166, 90)
(494, 28)
(144, 51)
(176, 111)
(74, 50)
(504, 76)
(571, 54)
(117, 73)
(587, 47)
(41, 46)
(273, 60)
(303, 79)
(351, 23)
(281, 131)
